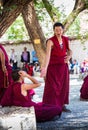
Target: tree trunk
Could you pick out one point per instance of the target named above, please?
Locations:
(11, 10)
(34, 30)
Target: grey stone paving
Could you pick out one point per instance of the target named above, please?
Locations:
(77, 119)
(17, 118)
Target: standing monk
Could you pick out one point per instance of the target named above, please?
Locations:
(56, 70)
(5, 71)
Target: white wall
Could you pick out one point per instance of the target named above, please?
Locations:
(77, 47)
(18, 50)
(80, 51)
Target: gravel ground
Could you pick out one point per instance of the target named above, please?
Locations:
(77, 119)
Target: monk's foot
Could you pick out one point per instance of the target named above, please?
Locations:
(60, 114)
(82, 99)
(65, 109)
(56, 118)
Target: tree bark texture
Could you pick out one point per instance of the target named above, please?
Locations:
(34, 30)
(11, 10)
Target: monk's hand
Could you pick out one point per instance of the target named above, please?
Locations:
(22, 73)
(5, 70)
(67, 58)
(43, 72)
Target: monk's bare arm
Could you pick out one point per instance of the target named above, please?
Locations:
(2, 58)
(34, 83)
(47, 58)
(69, 51)
(69, 55)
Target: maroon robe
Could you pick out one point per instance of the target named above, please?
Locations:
(84, 89)
(30, 72)
(4, 79)
(13, 97)
(56, 91)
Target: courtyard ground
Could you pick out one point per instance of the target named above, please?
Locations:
(77, 119)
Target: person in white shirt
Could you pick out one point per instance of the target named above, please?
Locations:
(13, 59)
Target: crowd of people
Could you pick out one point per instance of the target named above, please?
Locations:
(76, 68)
(31, 67)
(55, 70)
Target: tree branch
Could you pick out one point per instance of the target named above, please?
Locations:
(51, 10)
(80, 5)
(11, 10)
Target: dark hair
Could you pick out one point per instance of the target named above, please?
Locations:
(58, 24)
(25, 48)
(15, 75)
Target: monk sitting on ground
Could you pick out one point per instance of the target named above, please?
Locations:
(17, 94)
(84, 89)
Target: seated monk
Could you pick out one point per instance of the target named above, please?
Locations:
(84, 89)
(17, 94)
